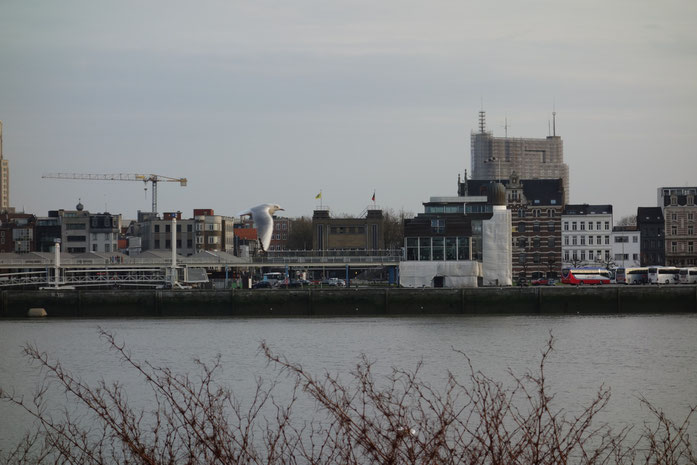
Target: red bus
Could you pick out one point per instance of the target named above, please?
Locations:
(585, 276)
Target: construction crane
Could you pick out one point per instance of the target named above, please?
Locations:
(145, 178)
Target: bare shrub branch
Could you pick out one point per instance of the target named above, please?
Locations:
(363, 419)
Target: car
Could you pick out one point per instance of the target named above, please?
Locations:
(262, 285)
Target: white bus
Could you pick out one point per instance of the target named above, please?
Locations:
(688, 275)
(638, 275)
(664, 275)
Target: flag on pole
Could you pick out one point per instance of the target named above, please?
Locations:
(319, 196)
(373, 199)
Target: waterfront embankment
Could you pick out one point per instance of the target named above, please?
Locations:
(348, 302)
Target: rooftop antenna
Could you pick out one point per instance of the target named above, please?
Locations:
(482, 119)
(554, 119)
(506, 126)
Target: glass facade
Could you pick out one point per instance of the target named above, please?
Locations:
(438, 248)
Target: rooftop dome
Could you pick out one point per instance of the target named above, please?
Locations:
(497, 194)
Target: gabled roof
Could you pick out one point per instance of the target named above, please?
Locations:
(649, 215)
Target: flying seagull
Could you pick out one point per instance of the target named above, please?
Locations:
(263, 220)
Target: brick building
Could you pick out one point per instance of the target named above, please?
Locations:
(364, 233)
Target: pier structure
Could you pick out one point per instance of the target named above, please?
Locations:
(156, 270)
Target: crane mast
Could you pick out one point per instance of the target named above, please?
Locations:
(154, 179)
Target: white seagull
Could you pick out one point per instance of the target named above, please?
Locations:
(263, 220)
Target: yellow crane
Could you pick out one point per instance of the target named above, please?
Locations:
(145, 178)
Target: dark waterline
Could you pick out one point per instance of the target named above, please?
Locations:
(654, 356)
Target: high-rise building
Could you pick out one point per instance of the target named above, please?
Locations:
(4, 179)
(497, 158)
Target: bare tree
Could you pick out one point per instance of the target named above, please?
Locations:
(629, 220)
(396, 419)
(300, 234)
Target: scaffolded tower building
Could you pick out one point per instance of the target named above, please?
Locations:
(4, 179)
(496, 158)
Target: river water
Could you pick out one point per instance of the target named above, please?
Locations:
(654, 356)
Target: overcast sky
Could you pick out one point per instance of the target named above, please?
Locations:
(273, 101)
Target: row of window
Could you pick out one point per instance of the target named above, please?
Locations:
(625, 239)
(690, 247)
(536, 227)
(690, 216)
(581, 225)
(690, 230)
(536, 242)
(278, 237)
(624, 257)
(536, 213)
(282, 225)
(575, 240)
(581, 255)
(438, 248)
(347, 230)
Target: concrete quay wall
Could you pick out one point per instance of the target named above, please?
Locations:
(350, 302)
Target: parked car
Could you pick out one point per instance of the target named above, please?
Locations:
(262, 285)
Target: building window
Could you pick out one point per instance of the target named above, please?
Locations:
(551, 242)
(690, 247)
(583, 255)
(674, 216)
(566, 255)
(597, 225)
(599, 239)
(536, 227)
(590, 226)
(690, 230)
(168, 228)
(566, 240)
(607, 225)
(424, 248)
(536, 242)
(635, 239)
(437, 248)
(590, 255)
(550, 227)
(590, 240)
(607, 240)
(574, 240)
(157, 228)
(566, 225)
(521, 213)
(690, 216)
(674, 230)
(583, 240)
(522, 242)
(583, 225)
(607, 255)
(412, 248)
(573, 226)
(673, 246)
(521, 227)
(438, 226)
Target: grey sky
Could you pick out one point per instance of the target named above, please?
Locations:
(273, 101)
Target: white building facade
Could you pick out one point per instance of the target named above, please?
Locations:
(587, 236)
(626, 246)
